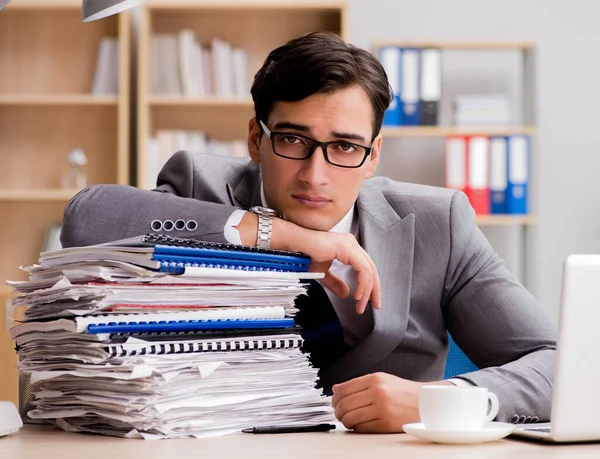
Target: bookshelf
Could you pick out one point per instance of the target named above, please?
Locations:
(48, 61)
(257, 26)
(526, 59)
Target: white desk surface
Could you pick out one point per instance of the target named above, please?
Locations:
(34, 442)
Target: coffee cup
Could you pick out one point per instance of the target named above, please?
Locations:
(456, 407)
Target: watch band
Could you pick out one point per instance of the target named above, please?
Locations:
(265, 226)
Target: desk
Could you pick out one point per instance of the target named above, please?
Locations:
(33, 442)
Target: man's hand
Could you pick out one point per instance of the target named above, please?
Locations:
(323, 247)
(378, 403)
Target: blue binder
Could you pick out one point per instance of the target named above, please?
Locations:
(518, 175)
(391, 59)
(410, 94)
(498, 174)
(187, 325)
(175, 254)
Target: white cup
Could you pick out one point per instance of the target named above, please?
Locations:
(456, 407)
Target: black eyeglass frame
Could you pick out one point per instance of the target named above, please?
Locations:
(315, 144)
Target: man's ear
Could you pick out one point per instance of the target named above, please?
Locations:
(373, 159)
(254, 135)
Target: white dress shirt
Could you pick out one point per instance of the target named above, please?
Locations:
(355, 326)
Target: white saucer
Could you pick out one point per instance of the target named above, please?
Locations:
(489, 432)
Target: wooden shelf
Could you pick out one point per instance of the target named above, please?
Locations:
(504, 220)
(245, 5)
(443, 131)
(37, 195)
(57, 99)
(175, 101)
(460, 45)
(43, 4)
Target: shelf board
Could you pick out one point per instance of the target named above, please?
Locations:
(175, 101)
(57, 99)
(504, 220)
(245, 5)
(461, 45)
(443, 131)
(43, 4)
(37, 195)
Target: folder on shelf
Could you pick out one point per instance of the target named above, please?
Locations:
(410, 95)
(431, 86)
(498, 174)
(456, 163)
(390, 57)
(478, 166)
(518, 175)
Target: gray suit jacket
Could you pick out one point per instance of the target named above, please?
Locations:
(438, 273)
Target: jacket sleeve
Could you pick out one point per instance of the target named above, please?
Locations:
(103, 213)
(497, 322)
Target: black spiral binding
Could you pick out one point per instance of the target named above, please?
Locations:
(153, 238)
(212, 346)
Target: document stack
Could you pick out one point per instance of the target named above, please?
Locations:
(482, 110)
(162, 337)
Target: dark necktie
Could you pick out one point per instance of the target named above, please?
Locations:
(322, 331)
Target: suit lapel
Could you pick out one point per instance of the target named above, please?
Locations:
(389, 240)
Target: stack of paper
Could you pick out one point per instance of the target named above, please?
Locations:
(114, 346)
(482, 109)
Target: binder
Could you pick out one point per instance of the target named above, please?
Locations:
(456, 163)
(207, 346)
(478, 166)
(187, 325)
(518, 175)
(498, 175)
(431, 86)
(409, 94)
(390, 58)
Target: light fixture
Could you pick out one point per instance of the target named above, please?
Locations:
(98, 9)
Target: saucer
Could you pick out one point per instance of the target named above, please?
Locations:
(489, 432)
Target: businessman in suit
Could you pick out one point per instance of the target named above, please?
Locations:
(405, 263)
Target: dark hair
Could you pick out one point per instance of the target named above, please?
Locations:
(320, 62)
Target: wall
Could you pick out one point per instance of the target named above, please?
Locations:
(567, 195)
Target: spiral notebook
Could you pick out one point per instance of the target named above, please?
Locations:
(173, 255)
(240, 344)
(203, 319)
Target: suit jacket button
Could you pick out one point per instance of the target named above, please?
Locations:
(156, 225)
(514, 419)
(191, 225)
(180, 225)
(522, 419)
(168, 225)
(535, 419)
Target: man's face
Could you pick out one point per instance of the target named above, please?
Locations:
(313, 193)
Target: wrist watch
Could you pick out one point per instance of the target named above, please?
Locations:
(265, 225)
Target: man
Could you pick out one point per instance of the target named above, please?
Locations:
(411, 256)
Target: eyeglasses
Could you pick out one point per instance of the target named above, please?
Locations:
(299, 147)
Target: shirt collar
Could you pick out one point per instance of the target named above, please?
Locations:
(343, 226)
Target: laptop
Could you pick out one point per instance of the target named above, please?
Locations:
(575, 414)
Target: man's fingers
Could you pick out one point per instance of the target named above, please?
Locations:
(359, 416)
(350, 387)
(336, 285)
(352, 402)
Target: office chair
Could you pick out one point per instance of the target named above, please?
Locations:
(457, 362)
